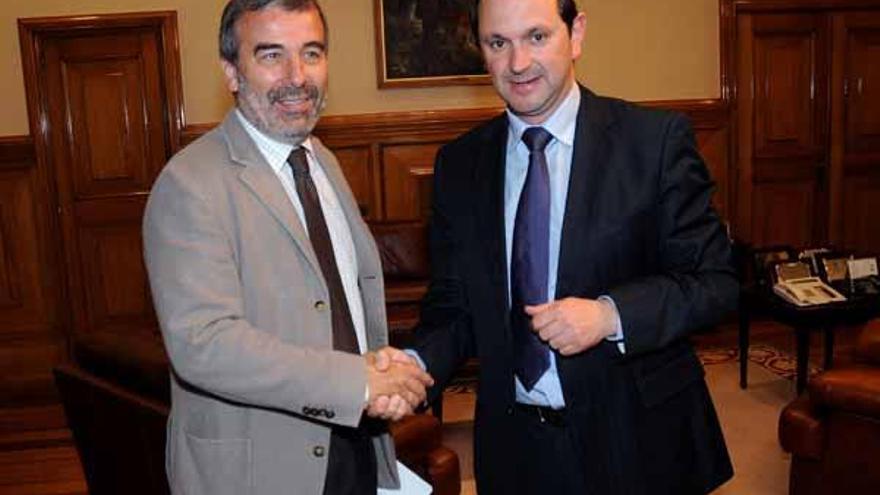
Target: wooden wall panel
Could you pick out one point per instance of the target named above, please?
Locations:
(407, 172)
(30, 338)
(862, 83)
(114, 277)
(861, 229)
(855, 131)
(785, 84)
(360, 169)
(107, 140)
(779, 221)
(26, 300)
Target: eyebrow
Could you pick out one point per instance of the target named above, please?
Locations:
(278, 46)
(267, 46)
(315, 44)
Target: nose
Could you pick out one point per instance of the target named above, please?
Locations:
(520, 59)
(296, 71)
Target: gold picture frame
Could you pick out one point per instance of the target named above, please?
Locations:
(421, 44)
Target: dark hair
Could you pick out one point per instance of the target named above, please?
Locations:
(567, 11)
(236, 8)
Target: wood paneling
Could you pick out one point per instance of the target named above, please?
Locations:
(788, 85)
(778, 223)
(802, 77)
(103, 97)
(408, 170)
(855, 141)
(359, 168)
(861, 204)
(402, 147)
(782, 104)
(30, 338)
(114, 81)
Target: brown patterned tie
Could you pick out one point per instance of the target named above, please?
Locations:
(344, 337)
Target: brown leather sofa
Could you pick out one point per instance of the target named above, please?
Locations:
(833, 431)
(115, 393)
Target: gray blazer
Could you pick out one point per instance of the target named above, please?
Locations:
(256, 384)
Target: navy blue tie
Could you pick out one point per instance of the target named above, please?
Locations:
(530, 259)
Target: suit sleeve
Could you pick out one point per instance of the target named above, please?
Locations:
(444, 336)
(212, 347)
(695, 284)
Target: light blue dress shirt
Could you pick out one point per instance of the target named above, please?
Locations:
(548, 390)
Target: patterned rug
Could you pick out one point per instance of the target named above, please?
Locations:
(768, 357)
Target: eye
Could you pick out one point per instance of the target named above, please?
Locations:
(269, 56)
(539, 37)
(313, 55)
(496, 44)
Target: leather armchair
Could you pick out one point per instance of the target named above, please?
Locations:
(403, 248)
(833, 431)
(116, 398)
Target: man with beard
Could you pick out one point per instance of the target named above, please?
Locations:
(268, 286)
(574, 249)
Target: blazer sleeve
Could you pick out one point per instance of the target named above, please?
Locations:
(198, 297)
(695, 284)
(444, 336)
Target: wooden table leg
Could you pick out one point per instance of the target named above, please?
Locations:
(829, 347)
(803, 358)
(744, 317)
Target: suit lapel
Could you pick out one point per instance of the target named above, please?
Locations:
(258, 176)
(489, 176)
(589, 163)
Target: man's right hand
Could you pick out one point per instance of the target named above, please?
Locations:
(396, 383)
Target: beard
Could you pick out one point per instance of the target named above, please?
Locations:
(267, 113)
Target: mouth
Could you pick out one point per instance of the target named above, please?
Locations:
(293, 100)
(294, 105)
(524, 86)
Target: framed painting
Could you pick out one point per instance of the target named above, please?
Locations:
(427, 43)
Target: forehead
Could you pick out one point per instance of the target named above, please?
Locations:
(513, 16)
(275, 25)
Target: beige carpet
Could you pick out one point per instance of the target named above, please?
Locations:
(749, 419)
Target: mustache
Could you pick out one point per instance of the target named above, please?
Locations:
(291, 92)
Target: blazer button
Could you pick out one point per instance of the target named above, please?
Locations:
(318, 451)
(321, 306)
(509, 410)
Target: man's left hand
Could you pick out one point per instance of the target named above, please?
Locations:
(573, 325)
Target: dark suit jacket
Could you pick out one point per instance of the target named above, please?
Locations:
(639, 227)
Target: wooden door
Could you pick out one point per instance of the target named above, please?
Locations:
(105, 111)
(855, 134)
(782, 84)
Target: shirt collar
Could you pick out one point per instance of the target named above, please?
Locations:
(561, 123)
(275, 152)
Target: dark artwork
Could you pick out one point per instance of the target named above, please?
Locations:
(429, 38)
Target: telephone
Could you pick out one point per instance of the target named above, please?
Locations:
(796, 284)
(864, 276)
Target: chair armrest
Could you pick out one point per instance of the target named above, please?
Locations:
(800, 430)
(417, 441)
(444, 471)
(855, 390)
(868, 344)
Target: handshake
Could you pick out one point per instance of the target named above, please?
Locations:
(396, 384)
